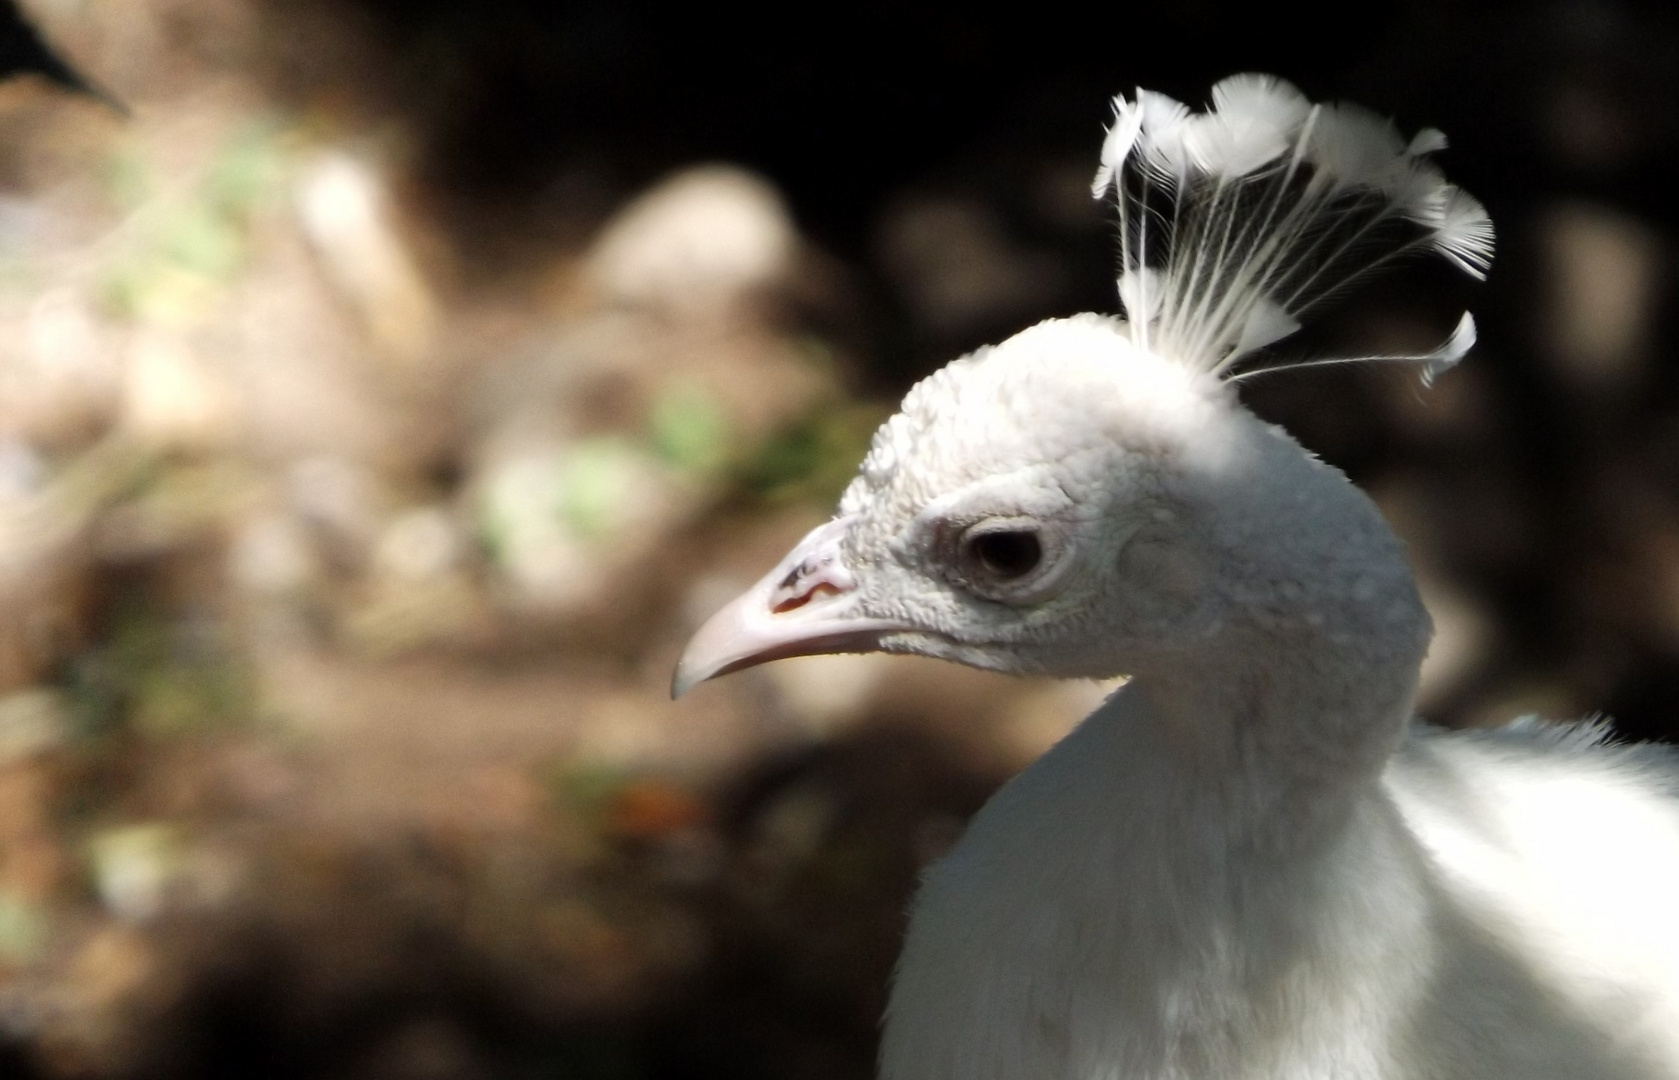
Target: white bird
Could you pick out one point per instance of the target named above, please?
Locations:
(1249, 862)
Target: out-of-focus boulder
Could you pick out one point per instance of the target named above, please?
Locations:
(601, 436)
(696, 246)
(346, 213)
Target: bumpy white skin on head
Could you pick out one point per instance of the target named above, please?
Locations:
(1174, 525)
(1241, 865)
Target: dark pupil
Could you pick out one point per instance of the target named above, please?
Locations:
(1007, 554)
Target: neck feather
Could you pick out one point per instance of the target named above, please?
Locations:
(1278, 750)
(1294, 704)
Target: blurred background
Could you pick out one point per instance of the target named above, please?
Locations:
(388, 388)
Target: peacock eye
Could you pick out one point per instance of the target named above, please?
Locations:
(1011, 558)
(1005, 555)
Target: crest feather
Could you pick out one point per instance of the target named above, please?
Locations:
(1237, 221)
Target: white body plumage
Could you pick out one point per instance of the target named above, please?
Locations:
(1249, 862)
(1498, 907)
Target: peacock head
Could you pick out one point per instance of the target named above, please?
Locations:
(1064, 503)
(1089, 498)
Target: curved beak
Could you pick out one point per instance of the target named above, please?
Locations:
(805, 606)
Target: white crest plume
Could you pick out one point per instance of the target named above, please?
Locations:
(1236, 221)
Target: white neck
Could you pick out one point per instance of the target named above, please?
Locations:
(1271, 743)
(1165, 875)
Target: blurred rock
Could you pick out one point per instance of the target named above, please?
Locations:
(344, 205)
(173, 400)
(60, 380)
(271, 555)
(1605, 271)
(135, 868)
(603, 436)
(419, 544)
(22, 472)
(696, 246)
(31, 723)
(565, 523)
(341, 498)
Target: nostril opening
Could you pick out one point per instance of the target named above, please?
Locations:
(799, 600)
